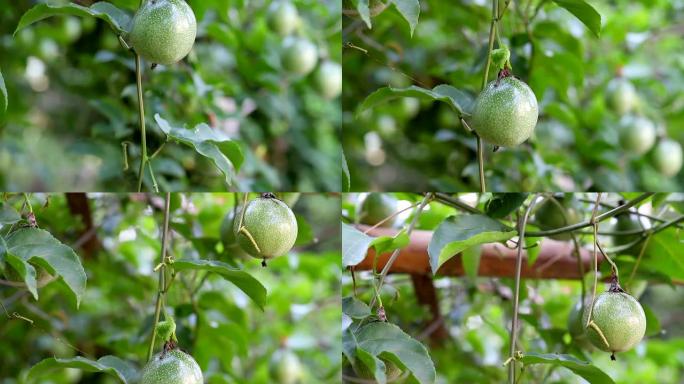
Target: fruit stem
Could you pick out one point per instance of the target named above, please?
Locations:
(162, 288)
(480, 162)
(522, 223)
(141, 111)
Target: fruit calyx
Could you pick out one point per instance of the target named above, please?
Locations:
(169, 346)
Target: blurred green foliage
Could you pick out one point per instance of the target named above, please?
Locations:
(229, 336)
(422, 145)
(73, 102)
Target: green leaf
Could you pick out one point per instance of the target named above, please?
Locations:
(584, 12)
(39, 247)
(346, 178)
(304, 232)
(471, 261)
(384, 244)
(374, 364)
(111, 365)
(652, 322)
(364, 12)
(409, 10)
(457, 99)
(116, 18)
(243, 280)
(388, 341)
(457, 233)
(225, 153)
(355, 308)
(354, 245)
(3, 96)
(8, 215)
(26, 271)
(583, 369)
(503, 204)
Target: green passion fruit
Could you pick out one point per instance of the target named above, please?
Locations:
(625, 223)
(269, 228)
(557, 214)
(283, 17)
(637, 134)
(375, 208)
(299, 55)
(505, 112)
(172, 367)
(286, 368)
(621, 96)
(328, 79)
(667, 157)
(575, 326)
(163, 31)
(621, 320)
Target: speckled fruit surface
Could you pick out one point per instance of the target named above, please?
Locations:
(271, 224)
(163, 31)
(505, 112)
(328, 79)
(174, 367)
(376, 207)
(283, 17)
(621, 319)
(667, 157)
(299, 56)
(637, 134)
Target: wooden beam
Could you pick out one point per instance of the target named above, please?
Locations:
(556, 259)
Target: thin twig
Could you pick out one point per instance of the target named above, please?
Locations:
(161, 292)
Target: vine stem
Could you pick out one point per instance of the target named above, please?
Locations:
(595, 222)
(395, 254)
(522, 223)
(141, 111)
(163, 287)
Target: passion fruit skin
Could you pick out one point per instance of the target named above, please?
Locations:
(376, 207)
(163, 31)
(505, 112)
(552, 215)
(621, 319)
(621, 96)
(299, 55)
(283, 17)
(172, 367)
(328, 79)
(637, 134)
(286, 368)
(667, 157)
(272, 225)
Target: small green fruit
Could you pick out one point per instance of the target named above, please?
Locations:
(328, 79)
(172, 367)
(637, 134)
(226, 231)
(286, 368)
(626, 223)
(375, 208)
(272, 226)
(621, 96)
(667, 157)
(620, 318)
(575, 326)
(283, 17)
(163, 31)
(299, 55)
(505, 112)
(558, 214)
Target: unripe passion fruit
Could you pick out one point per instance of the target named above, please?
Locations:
(637, 134)
(328, 79)
(172, 367)
(299, 55)
(283, 17)
(557, 214)
(620, 318)
(163, 31)
(576, 327)
(621, 96)
(271, 225)
(505, 112)
(285, 368)
(626, 223)
(667, 157)
(376, 207)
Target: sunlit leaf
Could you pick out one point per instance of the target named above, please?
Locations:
(116, 18)
(124, 371)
